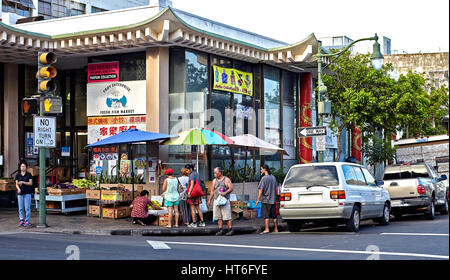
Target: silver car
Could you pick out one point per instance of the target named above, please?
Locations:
(340, 192)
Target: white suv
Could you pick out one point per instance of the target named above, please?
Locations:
(341, 192)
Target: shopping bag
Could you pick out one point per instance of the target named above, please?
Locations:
(203, 206)
(221, 201)
(197, 190)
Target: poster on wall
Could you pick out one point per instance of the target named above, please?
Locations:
(100, 128)
(116, 98)
(232, 80)
(152, 162)
(125, 168)
(103, 72)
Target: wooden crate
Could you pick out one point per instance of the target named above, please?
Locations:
(6, 187)
(93, 194)
(94, 210)
(119, 212)
(58, 192)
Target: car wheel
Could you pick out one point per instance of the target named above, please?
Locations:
(385, 219)
(294, 226)
(430, 214)
(444, 208)
(354, 221)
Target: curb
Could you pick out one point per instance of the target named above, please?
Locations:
(161, 231)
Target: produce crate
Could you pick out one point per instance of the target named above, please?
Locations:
(93, 194)
(94, 210)
(117, 213)
(250, 214)
(52, 191)
(53, 205)
(239, 204)
(5, 187)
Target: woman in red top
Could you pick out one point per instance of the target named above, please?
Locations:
(140, 210)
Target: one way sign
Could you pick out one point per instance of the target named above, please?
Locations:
(311, 131)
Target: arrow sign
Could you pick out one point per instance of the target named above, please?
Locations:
(311, 131)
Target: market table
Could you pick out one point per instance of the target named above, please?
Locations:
(63, 199)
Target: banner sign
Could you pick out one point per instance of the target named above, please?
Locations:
(100, 128)
(116, 98)
(103, 72)
(232, 80)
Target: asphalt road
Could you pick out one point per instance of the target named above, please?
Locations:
(412, 238)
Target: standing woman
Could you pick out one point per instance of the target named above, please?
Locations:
(24, 185)
(171, 196)
(184, 207)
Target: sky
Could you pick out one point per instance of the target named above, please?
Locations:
(412, 25)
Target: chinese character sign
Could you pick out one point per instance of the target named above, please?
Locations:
(232, 80)
(100, 128)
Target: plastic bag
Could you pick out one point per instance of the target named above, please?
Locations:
(204, 206)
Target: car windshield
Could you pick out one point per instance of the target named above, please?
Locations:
(304, 176)
(405, 172)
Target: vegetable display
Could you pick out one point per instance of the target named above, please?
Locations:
(83, 183)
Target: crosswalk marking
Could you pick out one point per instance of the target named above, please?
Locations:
(158, 245)
(416, 234)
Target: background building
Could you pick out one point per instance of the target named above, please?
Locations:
(12, 10)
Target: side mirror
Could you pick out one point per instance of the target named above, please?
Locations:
(443, 177)
(380, 183)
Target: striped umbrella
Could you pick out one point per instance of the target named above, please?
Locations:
(199, 136)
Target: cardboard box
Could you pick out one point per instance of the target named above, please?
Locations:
(236, 213)
(94, 210)
(239, 204)
(250, 214)
(53, 205)
(163, 220)
(119, 212)
(93, 194)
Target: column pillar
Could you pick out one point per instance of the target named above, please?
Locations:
(157, 77)
(306, 149)
(11, 114)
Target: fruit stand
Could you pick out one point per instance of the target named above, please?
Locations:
(65, 197)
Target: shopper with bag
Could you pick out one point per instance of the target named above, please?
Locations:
(183, 182)
(171, 196)
(195, 194)
(221, 195)
(267, 193)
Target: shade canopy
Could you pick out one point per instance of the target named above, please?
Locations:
(252, 142)
(131, 136)
(199, 136)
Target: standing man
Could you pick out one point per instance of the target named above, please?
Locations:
(223, 187)
(267, 193)
(194, 202)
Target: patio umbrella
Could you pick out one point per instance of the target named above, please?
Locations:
(251, 142)
(131, 136)
(199, 136)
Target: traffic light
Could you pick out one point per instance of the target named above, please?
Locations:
(30, 106)
(46, 72)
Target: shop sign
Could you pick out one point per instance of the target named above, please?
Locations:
(100, 128)
(65, 151)
(103, 72)
(116, 98)
(232, 80)
(44, 132)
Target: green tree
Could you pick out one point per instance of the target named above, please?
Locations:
(378, 151)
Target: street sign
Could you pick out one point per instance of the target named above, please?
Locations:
(52, 104)
(65, 151)
(311, 131)
(320, 143)
(44, 132)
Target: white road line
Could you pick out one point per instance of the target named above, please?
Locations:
(158, 245)
(305, 249)
(417, 234)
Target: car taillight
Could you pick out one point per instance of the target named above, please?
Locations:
(285, 197)
(337, 194)
(421, 189)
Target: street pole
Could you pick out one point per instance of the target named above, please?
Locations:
(319, 78)
(42, 183)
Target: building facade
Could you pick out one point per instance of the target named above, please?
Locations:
(169, 72)
(12, 10)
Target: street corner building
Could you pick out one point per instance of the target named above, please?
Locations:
(162, 70)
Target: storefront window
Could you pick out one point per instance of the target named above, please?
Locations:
(289, 95)
(188, 87)
(272, 112)
(80, 98)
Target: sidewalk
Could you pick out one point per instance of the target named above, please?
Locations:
(79, 223)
